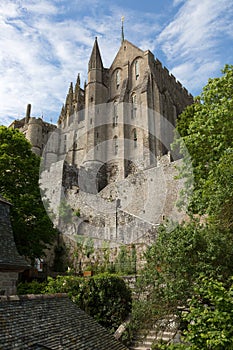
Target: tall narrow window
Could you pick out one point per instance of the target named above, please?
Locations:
(118, 78)
(136, 69)
(64, 144)
(115, 145)
(134, 106)
(115, 115)
(135, 139)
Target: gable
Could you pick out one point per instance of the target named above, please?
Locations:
(127, 53)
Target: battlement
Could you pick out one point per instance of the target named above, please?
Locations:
(34, 120)
(170, 79)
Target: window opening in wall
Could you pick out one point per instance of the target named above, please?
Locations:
(135, 139)
(115, 115)
(64, 148)
(115, 145)
(118, 78)
(134, 106)
(136, 69)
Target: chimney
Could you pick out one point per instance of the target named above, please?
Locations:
(28, 113)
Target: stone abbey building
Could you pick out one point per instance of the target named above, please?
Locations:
(109, 145)
(125, 115)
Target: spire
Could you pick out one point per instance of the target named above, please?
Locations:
(77, 86)
(69, 96)
(71, 89)
(122, 29)
(78, 79)
(95, 59)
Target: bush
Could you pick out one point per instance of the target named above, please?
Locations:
(33, 287)
(105, 297)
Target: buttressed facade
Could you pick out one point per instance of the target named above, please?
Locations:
(122, 119)
(112, 146)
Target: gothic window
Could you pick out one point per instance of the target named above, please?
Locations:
(115, 145)
(135, 139)
(115, 121)
(64, 144)
(115, 115)
(118, 78)
(136, 66)
(134, 106)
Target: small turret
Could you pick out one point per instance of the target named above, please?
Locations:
(70, 93)
(77, 86)
(95, 61)
(69, 100)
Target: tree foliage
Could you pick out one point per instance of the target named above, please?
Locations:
(174, 264)
(206, 129)
(209, 319)
(105, 297)
(202, 246)
(19, 183)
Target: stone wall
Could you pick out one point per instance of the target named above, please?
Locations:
(124, 212)
(8, 281)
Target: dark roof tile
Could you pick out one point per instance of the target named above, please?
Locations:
(50, 322)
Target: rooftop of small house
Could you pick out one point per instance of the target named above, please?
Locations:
(50, 321)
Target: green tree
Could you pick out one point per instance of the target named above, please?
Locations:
(105, 297)
(174, 264)
(209, 319)
(19, 183)
(206, 129)
(204, 245)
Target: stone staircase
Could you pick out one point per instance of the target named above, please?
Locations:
(145, 338)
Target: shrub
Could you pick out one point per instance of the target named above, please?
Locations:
(104, 297)
(33, 287)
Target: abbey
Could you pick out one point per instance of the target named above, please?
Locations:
(123, 118)
(112, 148)
(110, 159)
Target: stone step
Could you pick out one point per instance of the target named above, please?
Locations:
(144, 341)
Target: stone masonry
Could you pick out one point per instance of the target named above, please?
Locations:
(110, 158)
(11, 263)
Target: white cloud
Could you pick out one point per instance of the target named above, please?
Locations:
(45, 44)
(194, 37)
(40, 7)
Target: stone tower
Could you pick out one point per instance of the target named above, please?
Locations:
(36, 130)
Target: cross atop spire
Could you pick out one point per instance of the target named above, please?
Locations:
(122, 29)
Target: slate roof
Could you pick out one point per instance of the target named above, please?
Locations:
(50, 321)
(9, 256)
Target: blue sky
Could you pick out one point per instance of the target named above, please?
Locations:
(45, 44)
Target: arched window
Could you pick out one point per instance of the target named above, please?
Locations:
(115, 145)
(136, 67)
(64, 143)
(115, 115)
(135, 138)
(118, 78)
(134, 106)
